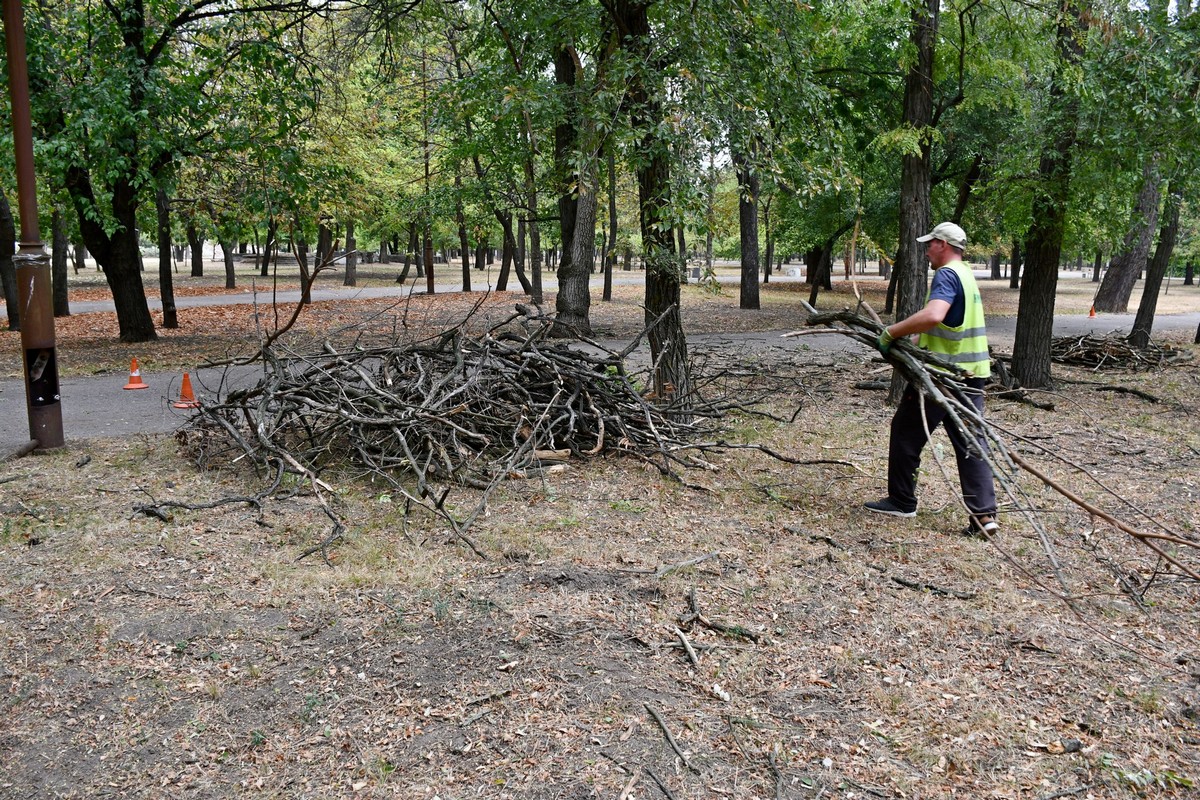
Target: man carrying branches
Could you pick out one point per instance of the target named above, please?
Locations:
(951, 325)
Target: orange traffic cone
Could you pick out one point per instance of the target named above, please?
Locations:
(1092, 313)
(186, 398)
(135, 377)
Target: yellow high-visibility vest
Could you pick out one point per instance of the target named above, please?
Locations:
(966, 345)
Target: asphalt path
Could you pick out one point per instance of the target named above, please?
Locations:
(97, 406)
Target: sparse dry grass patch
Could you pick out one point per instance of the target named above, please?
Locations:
(195, 657)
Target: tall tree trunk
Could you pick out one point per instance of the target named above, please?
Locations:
(519, 253)
(324, 254)
(227, 258)
(508, 250)
(8, 271)
(196, 245)
(769, 254)
(464, 243)
(269, 246)
(974, 173)
(819, 263)
(519, 257)
(812, 265)
(576, 209)
(351, 278)
(1126, 267)
(1043, 249)
(534, 290)
(611, 261)
(429, 256)
(748, 187)
(166, 285)
(997, 259)
(710, 214)
(915, 171)
(574, 301)
(1097, 265)
(58, 263)
(418, 248)
(226, 243)
(79, 256)
(1143, 323)
(668, 346)
(1018, 261)
(116, 254)
(852, 248)
(481, 253)
(410, 248)
(300, 250)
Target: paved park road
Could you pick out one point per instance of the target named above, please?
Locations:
(96, 405)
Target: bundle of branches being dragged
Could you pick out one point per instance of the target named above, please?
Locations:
(942, 383)
(1112, 352)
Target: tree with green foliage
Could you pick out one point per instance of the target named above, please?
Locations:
(1043, 244)
(121, 91)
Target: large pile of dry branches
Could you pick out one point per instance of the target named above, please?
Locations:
(453, 410)
(1112, 352)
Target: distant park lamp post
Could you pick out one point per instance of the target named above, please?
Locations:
(32, 262)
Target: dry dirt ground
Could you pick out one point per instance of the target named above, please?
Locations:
(836, 653)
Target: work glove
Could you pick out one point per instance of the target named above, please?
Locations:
(885, 341)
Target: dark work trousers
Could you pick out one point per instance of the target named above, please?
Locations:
(908, 440)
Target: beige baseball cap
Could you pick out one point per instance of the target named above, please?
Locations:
(948, 232)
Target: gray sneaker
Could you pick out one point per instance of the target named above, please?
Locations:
(884, 505)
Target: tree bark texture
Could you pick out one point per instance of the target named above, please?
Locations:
(59, 255)
(915, 176)
(769, 253)
(410, 249)
(508, 252)
(270, 246)
(915, 171)
(324, 254)
(351, 278)
(481, 254)
(196, 246)
(973, 176)
(464, 243)
(162, 210)
(1143, 323)
(1043, 248)
(1017, 262)
(576, 210)
(1127, 265)
(610, 261)
(8, 272)
(574, 301)
(748, 185)
(227, 258)
(668, 345)
(116, 254)
(300, 250)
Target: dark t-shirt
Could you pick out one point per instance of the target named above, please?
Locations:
(946, 286)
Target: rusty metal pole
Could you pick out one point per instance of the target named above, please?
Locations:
(32, 262)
